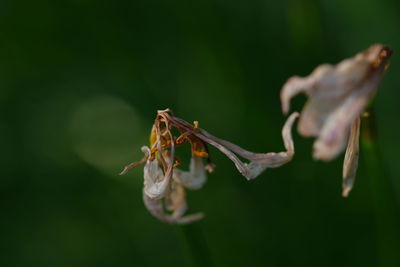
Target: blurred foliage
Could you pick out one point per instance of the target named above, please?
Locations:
(81, 82)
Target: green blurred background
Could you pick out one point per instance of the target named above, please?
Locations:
(80, 83)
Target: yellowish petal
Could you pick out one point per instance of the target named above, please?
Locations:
(350, 163)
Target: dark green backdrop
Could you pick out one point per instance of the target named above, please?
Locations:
(81, 80)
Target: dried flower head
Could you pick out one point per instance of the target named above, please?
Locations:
(165, 184)
(337, 97)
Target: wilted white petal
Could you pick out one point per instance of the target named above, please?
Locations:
(155, 182)
(189, 218)
(195, 177)
(176, 200)
(350, 163)
(155, 207)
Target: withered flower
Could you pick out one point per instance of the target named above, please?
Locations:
(165, 184)
(337, 97)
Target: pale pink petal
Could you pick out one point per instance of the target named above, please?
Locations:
(337, 96)
(333, 136)
(296, 85)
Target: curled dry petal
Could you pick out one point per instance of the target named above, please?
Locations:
(337, 96)
(259, 162)
(156, 208)
(155, 182)
(351, 158)
(193, 179)
(175, 201)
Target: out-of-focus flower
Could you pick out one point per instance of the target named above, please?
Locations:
(337, 96)
(165, 184)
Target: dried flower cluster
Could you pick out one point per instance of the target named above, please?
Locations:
(165, 184)
(337, 97)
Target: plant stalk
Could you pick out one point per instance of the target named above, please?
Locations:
(196, 245)
(385, 204)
